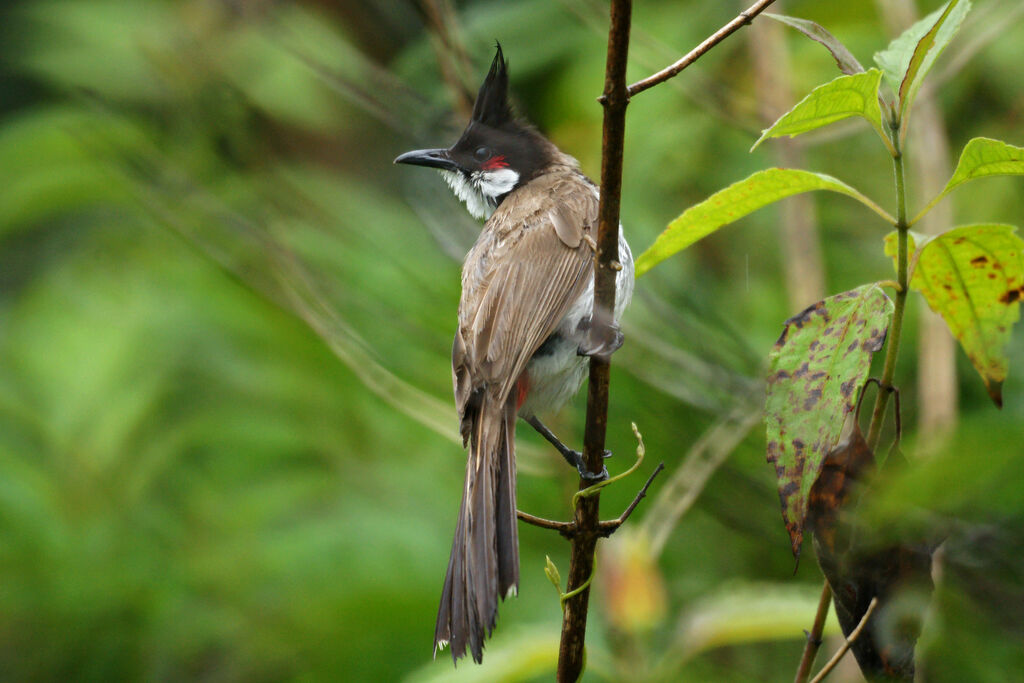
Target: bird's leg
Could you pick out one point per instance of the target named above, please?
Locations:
(574, 458)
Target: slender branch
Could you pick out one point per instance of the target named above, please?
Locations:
(827, 669)
(587, 520)
(892, 346)
(814, 637)
(615, 99)
(696, 53)
(567, 529)
(606, 529)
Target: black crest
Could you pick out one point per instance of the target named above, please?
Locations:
(492, 107)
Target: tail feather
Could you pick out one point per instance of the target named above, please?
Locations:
(484, 563)
(508, 525)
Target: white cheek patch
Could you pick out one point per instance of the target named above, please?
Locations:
(468, 193)
(481, 190)
(493, 184)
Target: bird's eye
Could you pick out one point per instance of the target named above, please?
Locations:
(482, 153)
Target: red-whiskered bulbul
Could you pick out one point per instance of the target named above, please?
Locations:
(523, 334)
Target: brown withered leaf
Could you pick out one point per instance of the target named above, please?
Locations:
(973, 276)
(859, 570)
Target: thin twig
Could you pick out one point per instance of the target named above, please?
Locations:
(827, 669)
(702, 91)
(606, 529)
(814, 637)
(696, 53)
(567, 529)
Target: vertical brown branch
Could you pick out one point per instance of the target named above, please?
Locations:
(581, 566)
(615, 100)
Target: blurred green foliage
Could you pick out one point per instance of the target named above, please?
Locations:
(226, 444)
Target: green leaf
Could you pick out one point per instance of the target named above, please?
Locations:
(973, 276)
(894, 60)
(846, 96)
(817, 366)
(981, 157)
(847, 63)
(910, 56)
(737, 201)
(929, 49)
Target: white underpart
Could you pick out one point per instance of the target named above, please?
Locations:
(480, 190)
(555, 377)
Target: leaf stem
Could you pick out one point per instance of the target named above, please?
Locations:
(896, 329)
(888, 371)
(928, 207)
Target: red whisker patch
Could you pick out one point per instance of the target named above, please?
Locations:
(495, 162)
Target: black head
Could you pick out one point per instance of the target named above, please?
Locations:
(497, 152)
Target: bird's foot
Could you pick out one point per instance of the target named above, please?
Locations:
(602, 349)
(576, 458)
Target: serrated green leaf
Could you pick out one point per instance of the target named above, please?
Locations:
(894, 60)
(973, 276)
(907, 59)
(928, 50)
(980, 158)
(817, 367)
(737, 201)
(986, 157)
(847, 63)
(846, 96)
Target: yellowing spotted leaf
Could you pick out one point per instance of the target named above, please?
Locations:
(817, 367)
(973, 276)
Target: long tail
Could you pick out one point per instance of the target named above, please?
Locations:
(484, 564)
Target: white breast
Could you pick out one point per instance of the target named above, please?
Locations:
(557, 373)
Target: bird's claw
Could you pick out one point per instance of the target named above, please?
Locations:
(602, 349)
(585, 473)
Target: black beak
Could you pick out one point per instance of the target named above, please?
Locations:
(433, 158)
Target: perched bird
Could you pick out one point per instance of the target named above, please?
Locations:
(523, 334)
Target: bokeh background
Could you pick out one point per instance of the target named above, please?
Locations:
(227, 445)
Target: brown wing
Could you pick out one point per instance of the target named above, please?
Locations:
(519, 280)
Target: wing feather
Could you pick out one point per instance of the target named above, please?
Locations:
(528, 267)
